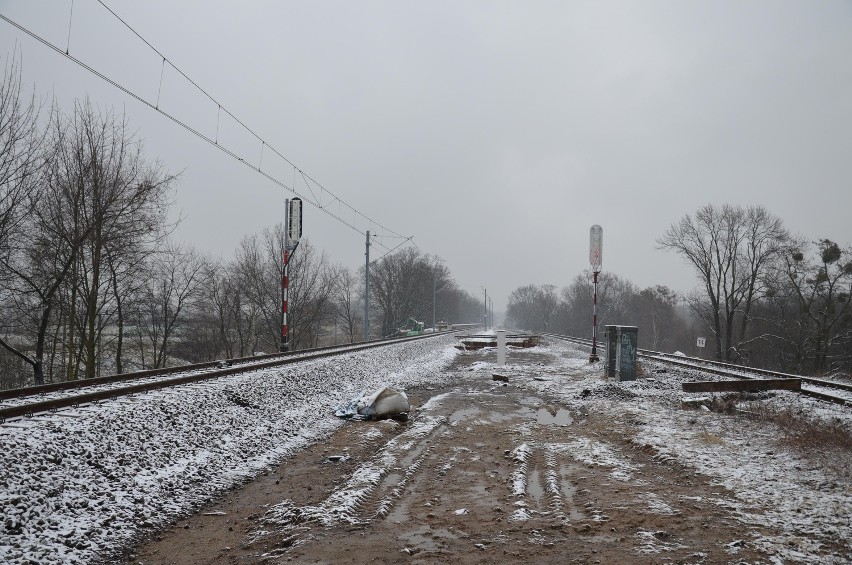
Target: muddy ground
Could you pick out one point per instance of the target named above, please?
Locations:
(484, 473)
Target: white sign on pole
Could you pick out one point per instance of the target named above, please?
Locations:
(700, 342)
(595, 247)
(294, 231)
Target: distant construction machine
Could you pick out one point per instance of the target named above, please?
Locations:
(410, 328)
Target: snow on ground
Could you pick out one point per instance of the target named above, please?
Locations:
(809, 503)
(80, 484)
(806, 502)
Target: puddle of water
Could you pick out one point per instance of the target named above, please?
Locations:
(391, 480)
(421, 542)
(571, 510)
(568, 491)
(561, 418)
(534, 486)
(497, 417)
(414, 451)
(459, 415)
(489, 412)
(399, 514)
(425, 538)
(442, 533)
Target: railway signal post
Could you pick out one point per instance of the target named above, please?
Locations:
(595, 251)
(292, 234)
(367, 289)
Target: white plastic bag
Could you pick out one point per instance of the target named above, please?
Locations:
(383, 402)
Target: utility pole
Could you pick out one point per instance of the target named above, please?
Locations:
(433, 300)
(367, 290)
(485, 303)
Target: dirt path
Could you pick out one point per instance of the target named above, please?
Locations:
(482, 473)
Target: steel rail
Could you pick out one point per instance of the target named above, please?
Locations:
(32, 408)
(23, 392)
(758, 371)
(730, 370)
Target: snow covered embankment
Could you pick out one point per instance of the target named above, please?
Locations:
(81, 484)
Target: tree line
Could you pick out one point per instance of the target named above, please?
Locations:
(569, 310)
(93, 283)
(765, 297)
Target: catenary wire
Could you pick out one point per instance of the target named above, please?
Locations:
(246, 127)
(206, 138)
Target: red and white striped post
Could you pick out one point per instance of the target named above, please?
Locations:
(285, 285)
(292, 234)
(594, 356)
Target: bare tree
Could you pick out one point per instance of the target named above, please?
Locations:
(40, 256)
(615, 297)
(456, 305)
(218, 295)
(127, 266)
(312, 283)
(818, 329)
(124, 206)
(21, 154)
(532, 307)
(654, 311)
(346, 303)
(98, 209)
(732, 249)
(174, 283)
(402, 286)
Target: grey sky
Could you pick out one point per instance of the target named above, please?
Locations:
(496, 133)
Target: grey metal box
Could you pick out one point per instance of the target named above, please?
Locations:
(620, 359)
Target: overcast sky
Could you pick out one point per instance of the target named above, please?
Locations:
(495, 133)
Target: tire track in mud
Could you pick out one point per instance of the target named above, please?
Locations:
(451, 462)
(487, 476)
(420, 459)
(553, 486)
(543, 486)
(542, 497)
(345, 505)
(523, 456)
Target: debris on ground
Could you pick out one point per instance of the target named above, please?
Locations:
(694, 403)
(384, 402)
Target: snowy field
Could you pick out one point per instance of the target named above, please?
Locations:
(80, 484)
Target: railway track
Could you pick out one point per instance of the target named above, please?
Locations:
(829, 391)
(28, 401)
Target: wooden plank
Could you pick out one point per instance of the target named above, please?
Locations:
(749, 385)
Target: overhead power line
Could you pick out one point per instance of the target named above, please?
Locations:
(312, 199)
